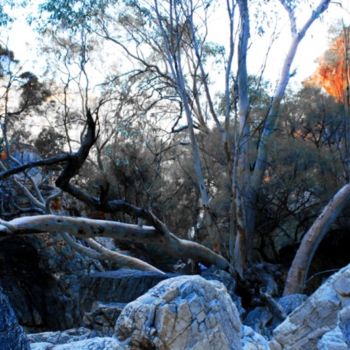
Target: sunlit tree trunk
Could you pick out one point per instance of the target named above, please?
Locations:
(248, 190)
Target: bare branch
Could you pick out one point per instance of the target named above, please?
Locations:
(165, 241)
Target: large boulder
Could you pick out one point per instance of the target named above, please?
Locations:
(185, 312)
(319, 314)
(12, 336)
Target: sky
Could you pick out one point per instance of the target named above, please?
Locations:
(21, 39)
(311, 48)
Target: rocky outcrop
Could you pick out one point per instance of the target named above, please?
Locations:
(184, 312)
(122, 286)
(40, 275)
(102, 317)
(304, 328)
(11, 334)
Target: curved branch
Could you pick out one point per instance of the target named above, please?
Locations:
(99, 252)
(300, 266)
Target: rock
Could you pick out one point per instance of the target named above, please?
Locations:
(40, 275)
(304, 327)
(344, 323)
(121, 286)
(252, 340)
(342, 286)
(102, 317)
(259, 320)
(332, 340)
(290, 302)
(11, 334)
(185, 312)
(228, 281)
(98, 343)
(41, 346)
(67, 336)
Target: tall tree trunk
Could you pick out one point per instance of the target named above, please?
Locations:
(244, 191)
(240, 171)
(172, 46)
(298, 272)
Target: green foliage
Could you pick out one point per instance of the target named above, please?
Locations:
(305, 169)
(73, 14)
(4, 17)
(33, 92)
(49, 142)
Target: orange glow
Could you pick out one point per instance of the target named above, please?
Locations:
(3, 155)
(56, 204)
(334, 68)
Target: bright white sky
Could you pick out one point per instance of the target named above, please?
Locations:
(21, 40)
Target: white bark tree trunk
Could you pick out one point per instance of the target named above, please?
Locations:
(298, 272)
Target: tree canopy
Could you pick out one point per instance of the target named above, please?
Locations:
(144, 129)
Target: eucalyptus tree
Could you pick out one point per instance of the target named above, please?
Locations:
(168, 40)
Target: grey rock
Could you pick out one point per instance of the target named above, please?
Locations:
(344, 323)
(120, 286)
(67, 336)
(41, 346)
(40, 275)
(102, 316)
(11, 334)
(252, 340)
(305, 326)
(228, 281)
(290, 302)
(185, 312)
(259, 319)
(332, 340)
(98, 343)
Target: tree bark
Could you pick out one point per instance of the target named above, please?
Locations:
(240, 170)
(297, 274)
(164, 240)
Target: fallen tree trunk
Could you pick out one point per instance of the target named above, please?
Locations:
(297, 274)
(165, 241)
